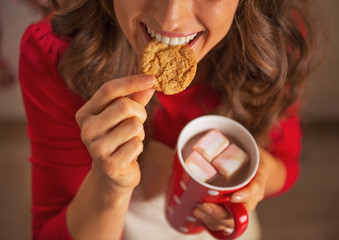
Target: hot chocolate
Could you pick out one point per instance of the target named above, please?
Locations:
(220, 180)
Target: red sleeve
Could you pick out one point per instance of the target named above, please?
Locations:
(286, 146)
(59, 159)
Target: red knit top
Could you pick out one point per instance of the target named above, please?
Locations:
(60, 160)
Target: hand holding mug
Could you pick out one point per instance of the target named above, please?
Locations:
(215, 217)
(186, 191)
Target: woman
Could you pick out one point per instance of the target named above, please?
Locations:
(89, 112)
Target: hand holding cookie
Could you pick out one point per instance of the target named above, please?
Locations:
(174, 67)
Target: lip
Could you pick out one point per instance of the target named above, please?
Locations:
(171, 34)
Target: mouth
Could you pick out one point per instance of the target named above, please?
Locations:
(173, 39)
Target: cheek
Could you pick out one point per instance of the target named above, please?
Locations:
(124, 13)
(214, 34)
(217, 33)
(217, 20)
(219, 24)
(120, 14)
(127, 12)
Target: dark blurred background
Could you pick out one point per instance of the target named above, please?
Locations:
(309, 211)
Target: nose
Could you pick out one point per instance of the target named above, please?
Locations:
(171, 14)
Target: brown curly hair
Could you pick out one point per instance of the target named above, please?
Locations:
(259, 69)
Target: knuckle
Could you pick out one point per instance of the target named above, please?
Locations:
(130, 81)
(143, 115)
(135, 125)
(107, 88)
(84, 137)
(142, 135)
(124, 106)
(256, 187)
(137, 144)
(79, 116)
(98, 150)
(89, 130)
(261, 195)
(86, 132)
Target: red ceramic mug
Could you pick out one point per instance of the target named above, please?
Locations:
(185, 191)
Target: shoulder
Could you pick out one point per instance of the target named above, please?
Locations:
(39, 78)
(39, 40)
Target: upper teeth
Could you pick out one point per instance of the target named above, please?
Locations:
(168, 40)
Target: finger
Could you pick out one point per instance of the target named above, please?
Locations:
(126, 130)
(255, 189)
(215, 210)
(250, 203)
(213, 223)
(109, 143)
(143, 97)
(117, 88)
(121, 109)
(128, 152)
(250, 196)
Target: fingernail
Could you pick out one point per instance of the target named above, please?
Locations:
(148, 80)
(237, 198)
(229, 230)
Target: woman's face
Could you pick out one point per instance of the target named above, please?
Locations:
(199, 23)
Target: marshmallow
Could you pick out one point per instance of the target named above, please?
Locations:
(211, 144)
(230, 161)
(199, 167)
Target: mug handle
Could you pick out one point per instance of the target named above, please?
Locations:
(240, 217)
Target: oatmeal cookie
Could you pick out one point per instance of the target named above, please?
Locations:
(174, 67)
